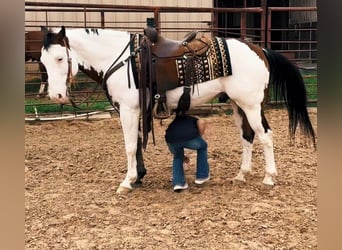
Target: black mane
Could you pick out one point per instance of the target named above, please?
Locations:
(93, 30)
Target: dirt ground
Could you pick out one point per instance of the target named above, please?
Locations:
(73, 169)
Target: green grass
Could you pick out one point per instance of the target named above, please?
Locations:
(310, 81)
(42, 107)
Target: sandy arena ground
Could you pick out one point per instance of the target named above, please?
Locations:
(73, 169)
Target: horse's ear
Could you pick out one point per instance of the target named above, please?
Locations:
(44, 29)
(62, 31)
(61, 34)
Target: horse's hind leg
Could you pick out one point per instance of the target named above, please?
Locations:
(247, 138)
(259, 124)
(271, 169)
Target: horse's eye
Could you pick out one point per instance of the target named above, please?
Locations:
(59, 59)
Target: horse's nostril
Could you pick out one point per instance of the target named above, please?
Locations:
(59, 96)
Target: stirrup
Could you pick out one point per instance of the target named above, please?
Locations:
(166, 113)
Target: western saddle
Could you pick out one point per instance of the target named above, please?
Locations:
(161, 55)
(166, 48)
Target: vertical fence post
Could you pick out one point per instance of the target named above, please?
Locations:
(85, 17)
(214, 17)
(263, 23)
(243, 15)
(102, 19)
(268, 28)
(156, 18)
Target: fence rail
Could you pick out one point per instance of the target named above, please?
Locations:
(297, 42)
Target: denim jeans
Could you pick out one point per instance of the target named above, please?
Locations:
(202, 166)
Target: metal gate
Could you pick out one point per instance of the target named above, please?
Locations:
(296, 39)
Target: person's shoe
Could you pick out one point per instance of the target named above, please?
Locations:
(179, 188)
(202, 180)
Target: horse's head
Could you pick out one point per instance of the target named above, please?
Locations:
(60, 63)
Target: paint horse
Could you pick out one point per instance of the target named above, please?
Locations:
(254, 70)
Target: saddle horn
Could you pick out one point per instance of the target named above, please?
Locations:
(151, 33)
(190, 36)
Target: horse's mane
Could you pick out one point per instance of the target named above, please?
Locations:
(94, 31)
(50, 36)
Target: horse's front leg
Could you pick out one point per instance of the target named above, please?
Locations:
(140, 162)
(129, 118)
(43, 78)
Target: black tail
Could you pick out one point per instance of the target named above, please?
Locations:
(288, 85)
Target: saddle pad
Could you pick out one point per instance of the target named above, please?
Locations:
(216, 63)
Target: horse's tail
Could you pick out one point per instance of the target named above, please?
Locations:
(288, 85)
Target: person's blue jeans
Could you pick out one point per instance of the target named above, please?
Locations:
(202, 166)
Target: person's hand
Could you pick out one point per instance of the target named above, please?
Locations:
(202, 126)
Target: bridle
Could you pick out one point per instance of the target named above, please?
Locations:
(70, 78)
(114, 67)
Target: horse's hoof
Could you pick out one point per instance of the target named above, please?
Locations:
(240, 178)
(268, 181)
(137, 183)
(238, 182)
(123, 190)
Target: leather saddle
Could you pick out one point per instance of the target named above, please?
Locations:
(164, 72)
(167, 48)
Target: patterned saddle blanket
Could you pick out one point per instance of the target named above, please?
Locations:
(211, 65)
(173, 64)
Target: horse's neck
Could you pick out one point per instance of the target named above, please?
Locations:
(98, 50)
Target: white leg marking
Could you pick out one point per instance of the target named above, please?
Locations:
(246, 165)
(247, 148)
(266, 139)
(41, 88)
(130, 120)
(271, 171)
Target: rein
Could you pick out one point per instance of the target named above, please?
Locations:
(70, 78)
(142, 91)
(114, 67)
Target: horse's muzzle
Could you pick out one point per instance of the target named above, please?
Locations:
(60, 99)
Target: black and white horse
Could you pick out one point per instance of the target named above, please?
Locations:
(254, 70)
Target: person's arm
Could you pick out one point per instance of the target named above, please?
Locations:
(202, 126)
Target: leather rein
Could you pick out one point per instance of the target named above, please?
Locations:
(70, 78)
(114, 67)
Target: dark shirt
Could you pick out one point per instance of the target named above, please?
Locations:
(182, 128)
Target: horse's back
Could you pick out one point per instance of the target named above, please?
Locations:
(250, 73)
(246, 56)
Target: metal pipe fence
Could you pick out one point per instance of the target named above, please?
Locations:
(296, 41)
